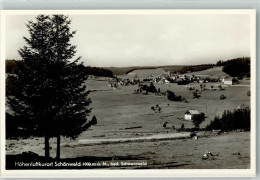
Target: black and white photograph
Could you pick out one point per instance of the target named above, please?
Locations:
(121, 90)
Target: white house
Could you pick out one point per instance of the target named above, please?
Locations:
(228, 81)
(189, 114)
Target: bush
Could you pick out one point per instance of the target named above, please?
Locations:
(151, 88)
(220, 87)
(222, 96)
(238, 119)
(172, 97)
(196, 94)
(93, 120)
(248, 93)
(183, 82)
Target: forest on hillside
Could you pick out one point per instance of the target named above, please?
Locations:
(12, 68)
(239, 67)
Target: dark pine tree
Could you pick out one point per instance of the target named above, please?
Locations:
(52, 100)
(198, 119)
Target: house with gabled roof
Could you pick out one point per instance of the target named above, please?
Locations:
(189, 114)
(228, 81)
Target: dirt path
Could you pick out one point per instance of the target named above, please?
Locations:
(241, 85)
(172, 136)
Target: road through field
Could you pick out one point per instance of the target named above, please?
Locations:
(170, 136)
(242, 85)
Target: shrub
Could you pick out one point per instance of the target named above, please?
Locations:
(93, 120)
(222, 96)
(220, 87)
(196, 95)
(183, 82)
(172, 97)
(192, 134)
(248, 93)
(151, 88)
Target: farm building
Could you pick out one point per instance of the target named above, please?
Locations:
(228, 81)
(189, 114)
(243, 107)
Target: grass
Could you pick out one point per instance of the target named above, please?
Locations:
(117, 110)
(120, 108)
(215, 72)
(182, 153)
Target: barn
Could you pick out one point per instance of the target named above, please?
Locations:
(228, 81)
(189, 114)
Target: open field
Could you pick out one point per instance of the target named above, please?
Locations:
(122, 114)
(213, 72)
(180, 153)
(117, 109)
(144, 73)
(184, 153)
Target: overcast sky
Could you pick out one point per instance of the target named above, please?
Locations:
(145, 40)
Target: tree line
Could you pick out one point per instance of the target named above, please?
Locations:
(231, 120)
(12, 68)
(239, 67)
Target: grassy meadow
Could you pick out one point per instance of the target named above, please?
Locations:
(117, 109)
(122, 114)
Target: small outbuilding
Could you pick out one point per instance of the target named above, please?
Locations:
(189, 114)
(228, 81)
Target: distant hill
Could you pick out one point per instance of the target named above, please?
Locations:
(12, 68)
(97, 71)
(144, 73)
(125, 70)
(174, 69)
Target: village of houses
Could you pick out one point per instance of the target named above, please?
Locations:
(215, 80)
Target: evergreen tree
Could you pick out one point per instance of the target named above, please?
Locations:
(198, 119)
(52, 100)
